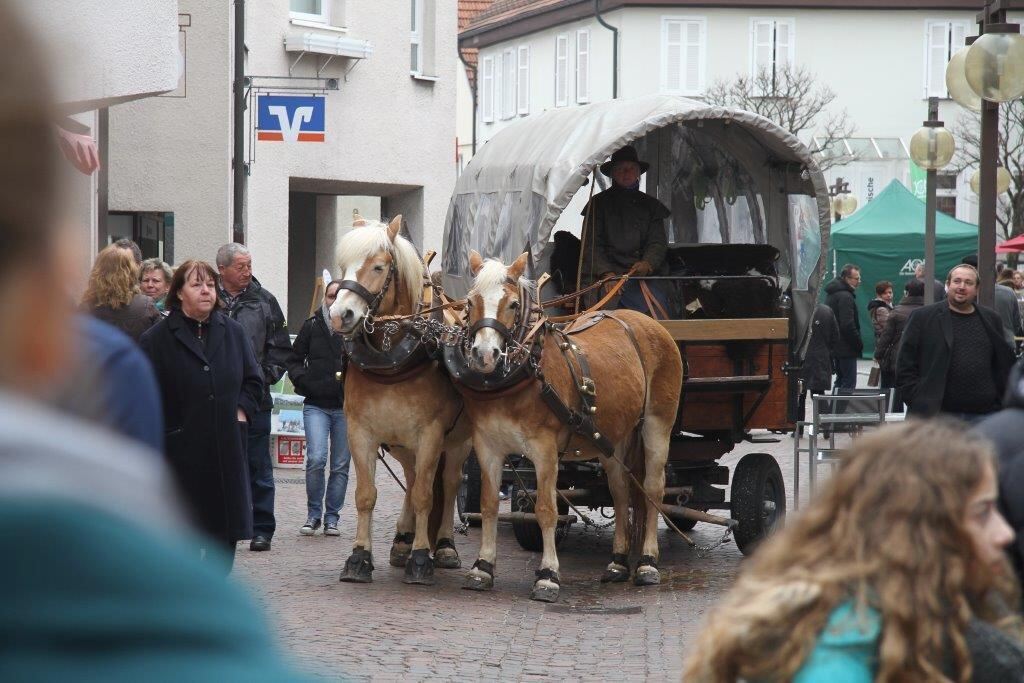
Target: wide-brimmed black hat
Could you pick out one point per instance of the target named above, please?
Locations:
(627, 153)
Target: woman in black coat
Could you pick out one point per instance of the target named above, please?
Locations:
(210, 384)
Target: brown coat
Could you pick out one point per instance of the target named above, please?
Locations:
(134, 319)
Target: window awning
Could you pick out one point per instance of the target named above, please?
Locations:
(324, 44)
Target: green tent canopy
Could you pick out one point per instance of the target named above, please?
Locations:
(886, 239)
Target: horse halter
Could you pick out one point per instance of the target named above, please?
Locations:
(372, 300)
(517, 333)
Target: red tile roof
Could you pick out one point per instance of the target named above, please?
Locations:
(468, 10)
(503, 11)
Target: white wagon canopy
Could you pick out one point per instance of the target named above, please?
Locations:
(728, 176)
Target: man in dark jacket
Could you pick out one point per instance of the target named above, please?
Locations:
(260, 315)
(626, 231)
(843, 302)
(317, 369)
(889, 341)
(1006, 431)
(953, 357)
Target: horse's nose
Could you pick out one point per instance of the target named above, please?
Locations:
(347, 316)
(479, 355)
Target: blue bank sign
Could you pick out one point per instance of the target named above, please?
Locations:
(290, 118)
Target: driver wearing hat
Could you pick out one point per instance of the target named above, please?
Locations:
(627, 230)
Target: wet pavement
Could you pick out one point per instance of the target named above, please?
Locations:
(389, 631)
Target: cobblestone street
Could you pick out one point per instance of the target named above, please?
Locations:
(389, 631)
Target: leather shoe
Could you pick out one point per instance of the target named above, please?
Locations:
(259, 543)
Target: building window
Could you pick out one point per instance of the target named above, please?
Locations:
(487, 86)
(771, 46)
(562, 70)
(421, 38)
(508, 83)
(583, 66)
(942, 40)
(945, 192)
(311, 10)
(153, 231)
(523, 79)
(683, 55)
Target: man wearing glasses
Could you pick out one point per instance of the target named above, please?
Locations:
(843, 302)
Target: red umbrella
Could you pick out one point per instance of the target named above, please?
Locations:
(1012, 246)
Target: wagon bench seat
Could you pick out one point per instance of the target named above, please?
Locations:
(728, 329)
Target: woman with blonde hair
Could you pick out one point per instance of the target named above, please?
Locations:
(113, 295)
(895, 573)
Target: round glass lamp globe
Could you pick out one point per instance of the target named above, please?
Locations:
(1003, 179)
(956, 82)
(932, 148)
(994, 66)
(847, 205)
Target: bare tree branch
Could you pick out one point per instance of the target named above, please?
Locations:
(967, 131)
(792, 97)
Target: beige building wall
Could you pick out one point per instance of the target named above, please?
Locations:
(388, 135)
(173, 153)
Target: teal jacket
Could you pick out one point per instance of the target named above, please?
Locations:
(847, 649)
(100, 598)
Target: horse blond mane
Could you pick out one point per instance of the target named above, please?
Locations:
(363, 241)
(493, 274)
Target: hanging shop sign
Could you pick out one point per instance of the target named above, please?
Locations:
(290, 118)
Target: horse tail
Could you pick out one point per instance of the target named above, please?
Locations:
(636, 465)
(437, 506)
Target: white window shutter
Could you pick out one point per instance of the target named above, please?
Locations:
(508, 83)
(784, 43)
(523, 80)
(958, 35)
(761, 47)
(582, 66)
(693, 74)
(487, 86)
(497, 85)
(938, 51)
(673, 61)
(561, 70)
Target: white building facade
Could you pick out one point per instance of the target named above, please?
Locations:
(361, 116)
(882, 59)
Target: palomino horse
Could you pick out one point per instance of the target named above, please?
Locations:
(624, 361)
(414, 409)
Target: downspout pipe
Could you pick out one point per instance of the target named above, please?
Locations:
(615, 48)
(238, 163)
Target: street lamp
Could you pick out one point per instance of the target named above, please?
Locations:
(931, 148)
(842, 202)
(994, 69)
(956, 81)
(1003, 179)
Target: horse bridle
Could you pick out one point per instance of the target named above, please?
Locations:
(520, 324)
(372, 300)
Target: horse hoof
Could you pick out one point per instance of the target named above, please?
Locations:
(399, 555)
(615, 573)
(419, 570)
(647, 575)
(477, 580)
(447, 558)
(544, 591)
(358, 567)
(445, 554)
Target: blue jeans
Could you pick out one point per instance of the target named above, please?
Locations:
(633, 299)
(322, 423)
(261, 475)
(846, 373)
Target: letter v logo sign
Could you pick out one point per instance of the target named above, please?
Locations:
(290, 126)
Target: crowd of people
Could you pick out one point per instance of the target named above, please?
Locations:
(216, 341)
